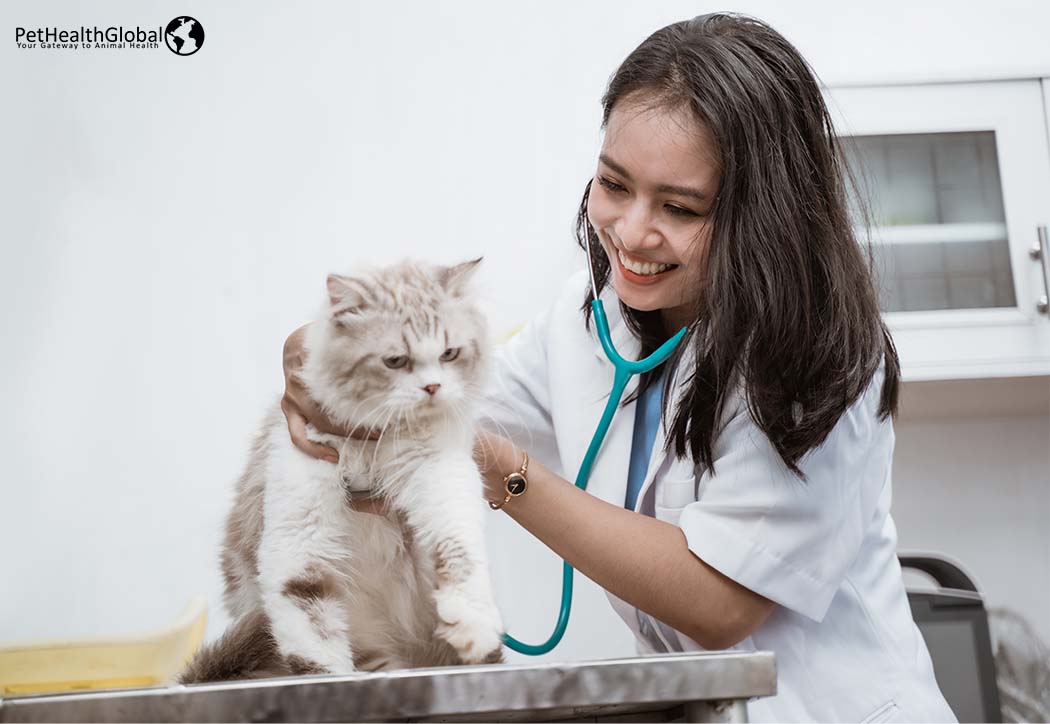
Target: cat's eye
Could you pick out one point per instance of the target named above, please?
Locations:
(450, 354)
(395, 362)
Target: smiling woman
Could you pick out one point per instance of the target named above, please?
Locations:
(762, 519)
(720, 157)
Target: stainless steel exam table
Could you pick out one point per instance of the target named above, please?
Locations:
(694, 687)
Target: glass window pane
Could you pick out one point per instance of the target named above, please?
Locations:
(938, 223)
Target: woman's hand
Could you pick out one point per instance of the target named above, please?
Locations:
(297, 406)
(300, 409)
(496, 457)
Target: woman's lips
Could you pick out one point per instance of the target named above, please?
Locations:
(633, 277)
(640, 279)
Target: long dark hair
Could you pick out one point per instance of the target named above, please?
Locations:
(788, 306)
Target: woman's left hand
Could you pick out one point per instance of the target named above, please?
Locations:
(496, 457)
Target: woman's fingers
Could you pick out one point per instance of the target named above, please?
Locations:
(297, 405)
(495, 456)
(297, 396)
(297, 429)
(300, 399)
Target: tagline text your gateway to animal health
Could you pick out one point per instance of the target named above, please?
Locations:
(115, 37)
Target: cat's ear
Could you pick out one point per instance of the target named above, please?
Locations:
(455, 278)
(345, 295)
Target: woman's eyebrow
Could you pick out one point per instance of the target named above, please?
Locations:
(661, 189)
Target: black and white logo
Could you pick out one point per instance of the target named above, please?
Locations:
(184, 35)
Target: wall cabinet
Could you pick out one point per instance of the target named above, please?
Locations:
(958, 179)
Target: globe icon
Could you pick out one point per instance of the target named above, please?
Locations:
(184, 35)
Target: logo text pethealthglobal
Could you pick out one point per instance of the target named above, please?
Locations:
(182, 36)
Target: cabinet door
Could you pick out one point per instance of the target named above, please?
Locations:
(958, 180)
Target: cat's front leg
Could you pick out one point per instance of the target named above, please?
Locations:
(310, 618)
(303, 591)
(442, 507)
(468, 617)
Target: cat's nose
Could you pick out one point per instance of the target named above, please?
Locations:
(431, 388)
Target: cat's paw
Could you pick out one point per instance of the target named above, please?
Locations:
(321, 663)
(303, 666)
(343, 669)
(471, 625)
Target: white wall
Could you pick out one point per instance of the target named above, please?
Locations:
(165, 222)
(971, 478)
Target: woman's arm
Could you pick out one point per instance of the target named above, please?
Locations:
(639, 559)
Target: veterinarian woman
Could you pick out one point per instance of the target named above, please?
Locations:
(761, 519)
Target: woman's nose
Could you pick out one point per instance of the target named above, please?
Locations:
(634, 230)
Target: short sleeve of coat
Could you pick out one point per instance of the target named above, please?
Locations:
(788, 540)
(516, 403)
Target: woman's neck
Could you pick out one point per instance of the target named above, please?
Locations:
(674, 318)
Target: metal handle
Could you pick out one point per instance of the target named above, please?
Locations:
(1041, 251)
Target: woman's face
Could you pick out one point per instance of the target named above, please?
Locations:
(650, 204)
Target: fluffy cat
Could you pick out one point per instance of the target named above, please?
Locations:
(315, 586)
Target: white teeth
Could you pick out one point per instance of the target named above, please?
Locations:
(645, 269)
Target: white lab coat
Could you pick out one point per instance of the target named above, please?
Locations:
(846, 646)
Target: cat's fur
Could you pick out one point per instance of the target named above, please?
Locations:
(315, 586)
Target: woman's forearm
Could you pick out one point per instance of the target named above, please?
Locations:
(639, 559)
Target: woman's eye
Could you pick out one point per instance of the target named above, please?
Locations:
(395, 362)
(450, 354)
(614, 187)
(679, 211)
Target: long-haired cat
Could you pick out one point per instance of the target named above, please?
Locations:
(315, 586)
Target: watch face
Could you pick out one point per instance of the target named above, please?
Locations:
(515, 484)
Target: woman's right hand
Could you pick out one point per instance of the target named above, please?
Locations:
(299, 408)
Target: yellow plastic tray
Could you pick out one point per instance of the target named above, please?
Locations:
(104, 663)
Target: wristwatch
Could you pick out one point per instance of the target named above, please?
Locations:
(515, 484)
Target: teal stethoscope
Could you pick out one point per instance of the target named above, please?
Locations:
(625, 369)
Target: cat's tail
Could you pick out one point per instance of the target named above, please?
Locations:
(247, 650)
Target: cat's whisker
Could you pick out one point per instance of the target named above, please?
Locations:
(502, 429)
(382, 432)
(386, 423)
(465, 421)
(400, 428)
(352, 417)
(510, 412)
(377, 412)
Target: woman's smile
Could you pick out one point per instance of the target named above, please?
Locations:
(638, 271)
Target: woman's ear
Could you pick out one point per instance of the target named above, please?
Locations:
(455, 278)
(345, 295)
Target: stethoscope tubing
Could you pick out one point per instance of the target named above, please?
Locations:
(623, 371)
